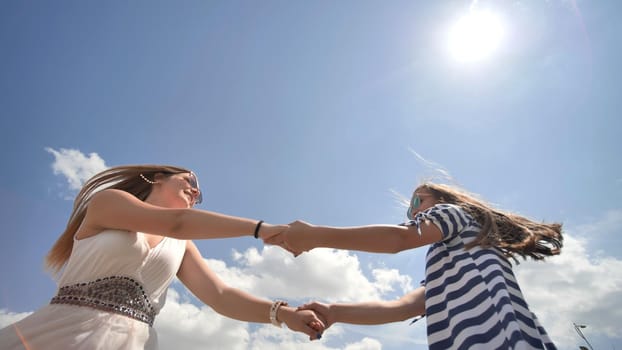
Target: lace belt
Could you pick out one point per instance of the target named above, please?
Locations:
(117, 294)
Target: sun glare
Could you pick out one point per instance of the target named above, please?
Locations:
(475, 36)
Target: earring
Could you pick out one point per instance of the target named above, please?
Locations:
(147, 180)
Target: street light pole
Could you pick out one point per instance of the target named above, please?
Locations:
(577, 327)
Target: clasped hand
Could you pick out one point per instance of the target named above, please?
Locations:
(292, 237)
(304, 320)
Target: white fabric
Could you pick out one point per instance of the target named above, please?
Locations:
(109, 253)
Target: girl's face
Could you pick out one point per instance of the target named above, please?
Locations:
(180, 190)
(422, 199)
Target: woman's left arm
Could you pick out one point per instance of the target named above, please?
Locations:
(197, 276)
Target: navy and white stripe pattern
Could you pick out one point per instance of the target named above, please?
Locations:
(472, 299)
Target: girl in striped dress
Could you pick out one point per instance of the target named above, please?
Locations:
(470, 296)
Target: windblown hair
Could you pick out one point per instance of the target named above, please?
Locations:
(126, 178)
(511, 233)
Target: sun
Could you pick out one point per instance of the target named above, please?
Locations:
(475, 36)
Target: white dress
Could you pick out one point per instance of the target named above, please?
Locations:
(106, 261)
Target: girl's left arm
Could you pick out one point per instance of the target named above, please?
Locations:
(197, 276)
(372, 312)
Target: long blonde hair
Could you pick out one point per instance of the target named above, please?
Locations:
(126, 178)
(511, 233)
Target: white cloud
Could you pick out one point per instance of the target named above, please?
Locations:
(75, 166)
(183, 325)
(365, 344)
(386, 278)
(323, 274)
(604, 233)
(326, 274)
(8, 317)
(268, 337)
(574, 287)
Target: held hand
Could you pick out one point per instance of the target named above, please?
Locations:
(293, 239)
(274, 235)
(267, 231)
(323, 311)
(304, 321)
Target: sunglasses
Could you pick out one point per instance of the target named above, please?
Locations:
(194, 182)
(415, 202)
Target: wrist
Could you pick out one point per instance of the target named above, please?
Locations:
(285, 314)
(279, 313)
(310, 237)
(257, 228)
(332, 313)
(265, 230)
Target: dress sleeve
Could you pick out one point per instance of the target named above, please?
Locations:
(449, 218)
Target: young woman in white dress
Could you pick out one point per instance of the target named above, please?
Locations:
(130, 233)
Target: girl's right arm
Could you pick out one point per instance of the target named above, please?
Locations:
(302, 236)
(116, 209)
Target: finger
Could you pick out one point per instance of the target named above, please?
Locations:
(317, 322)
(303, 307)
(318, 326)
(295, 253)
(312, 333)
(273, 239)
(308, 306)
(323, 319)
(287, 247)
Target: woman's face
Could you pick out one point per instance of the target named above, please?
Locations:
(422, 199)
(180, 190)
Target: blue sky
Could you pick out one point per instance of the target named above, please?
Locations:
(315, 110)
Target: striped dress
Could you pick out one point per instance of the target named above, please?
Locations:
(472, 299)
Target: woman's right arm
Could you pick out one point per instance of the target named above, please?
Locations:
(116, 209)
(372, 312)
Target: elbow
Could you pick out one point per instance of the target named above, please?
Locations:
(410, 313)
(400, 243)
(404, 318)
(395, 248)
(217, 301)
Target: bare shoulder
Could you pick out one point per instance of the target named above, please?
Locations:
(99, 200)
(111, 196)
(120, 210)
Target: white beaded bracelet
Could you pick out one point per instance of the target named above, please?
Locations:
(274, 309)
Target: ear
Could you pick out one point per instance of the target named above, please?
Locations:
(157, 177)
